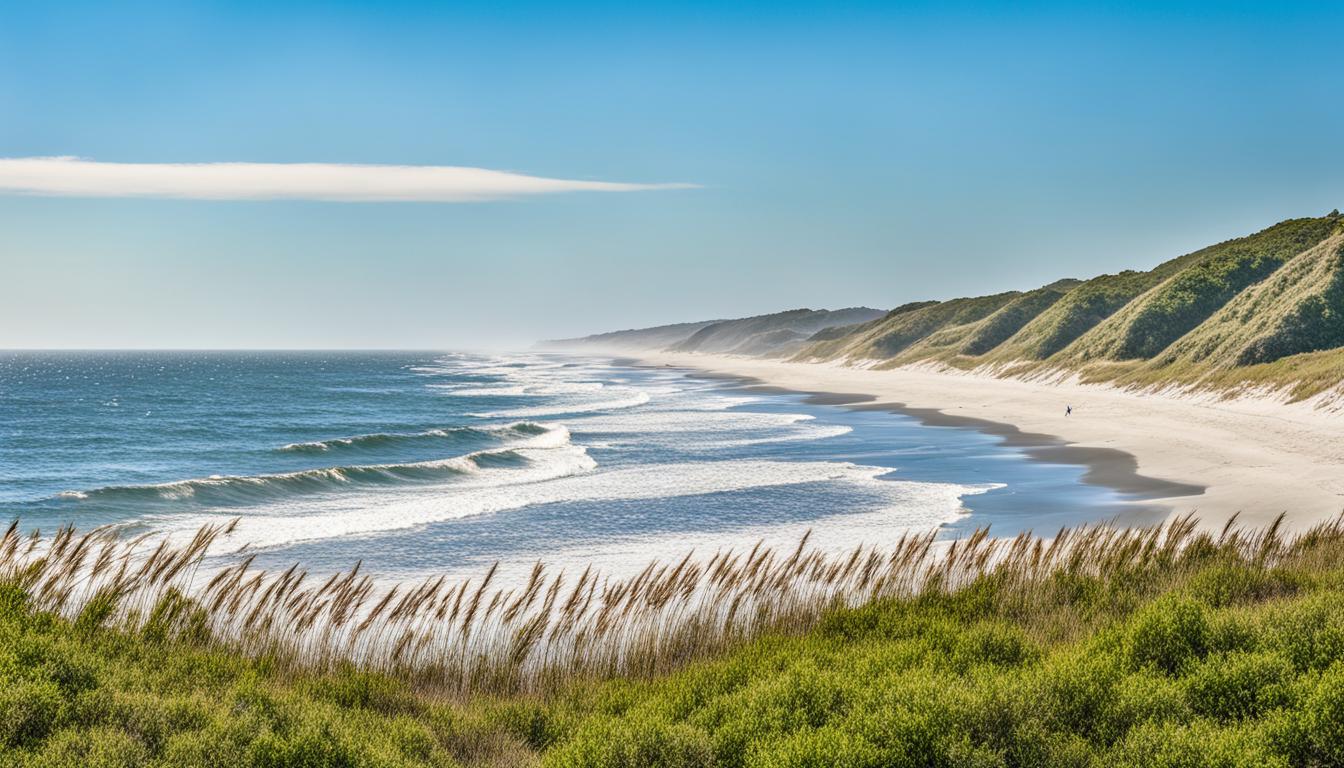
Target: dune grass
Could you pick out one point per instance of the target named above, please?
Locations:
(1260, 314)
(1097, 647)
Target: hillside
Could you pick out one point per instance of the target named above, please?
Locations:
(943, 330)
(774, 335)
(632, 340)
(1262, 310)
(1205, 281)
(1292, 323)
(771, 335)
(1266, 309)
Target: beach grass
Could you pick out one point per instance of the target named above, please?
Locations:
(1257, 315)
(1098, 646)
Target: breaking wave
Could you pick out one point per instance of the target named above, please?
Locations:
(522, 429)
(227, 490)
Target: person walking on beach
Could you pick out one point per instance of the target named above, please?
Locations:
(1068, 411)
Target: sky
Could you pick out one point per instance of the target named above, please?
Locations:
(450, 175)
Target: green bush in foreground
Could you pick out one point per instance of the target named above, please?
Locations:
(1225, 653)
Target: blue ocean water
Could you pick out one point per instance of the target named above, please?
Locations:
(431, 462)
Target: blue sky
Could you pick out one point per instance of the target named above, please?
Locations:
(844, 154)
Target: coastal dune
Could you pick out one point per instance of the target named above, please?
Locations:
(1212, 457)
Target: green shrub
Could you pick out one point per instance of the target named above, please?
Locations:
(634, 743)
(1284, 733)
(1199, 744)
(97, 611)
(802, 696)
(530, 720)
(818, 748)
(1169, 634)
(101, 747)
(28, 712)
(1230, 632)
(1142, 699)
(1235, 686)
(1323, 718)
(907, 724)
(966, 753)
(225, 741)
(1310, 632)
(1075, 690)
(992, 643)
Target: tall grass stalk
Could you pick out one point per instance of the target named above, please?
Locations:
(485, 636)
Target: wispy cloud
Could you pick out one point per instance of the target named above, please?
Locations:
(77, 177)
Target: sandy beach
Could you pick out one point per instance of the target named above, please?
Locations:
(1255, 457)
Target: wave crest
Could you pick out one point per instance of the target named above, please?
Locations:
(522, 429)
(631, 401)
(251, 489)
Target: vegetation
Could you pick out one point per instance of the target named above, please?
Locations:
(900, 330)
(1285, 333)
(1265, 311)
(1314, 323)
(1206, 281)
(1082, 310)
(1003, 324)
(1262, 311)
(1168, 647)
(776, 334)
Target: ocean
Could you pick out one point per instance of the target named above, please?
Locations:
(420, 463)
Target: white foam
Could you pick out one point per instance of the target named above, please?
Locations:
(509, 367)
(660, 421)
(707, 430)
(566, 388)
(803, 433)
(519, 390)
(629, 401)
(480, 390)
(565, 475)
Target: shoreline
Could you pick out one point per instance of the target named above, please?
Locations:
(1251, 458)
(1103, 467)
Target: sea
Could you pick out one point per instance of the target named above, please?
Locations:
(424, 463)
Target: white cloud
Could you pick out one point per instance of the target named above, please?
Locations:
(77, 177)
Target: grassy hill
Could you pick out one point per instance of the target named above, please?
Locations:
(1013, 316)
(1299, 308)
(1287, 328)
(778, 333)
(774, 335)
(632, 340)
(1265, 311)
(1262, 310)
(1082, 309)
(1203, 283)
(933, 325)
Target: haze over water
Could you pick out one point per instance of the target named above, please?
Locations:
(421, 463)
